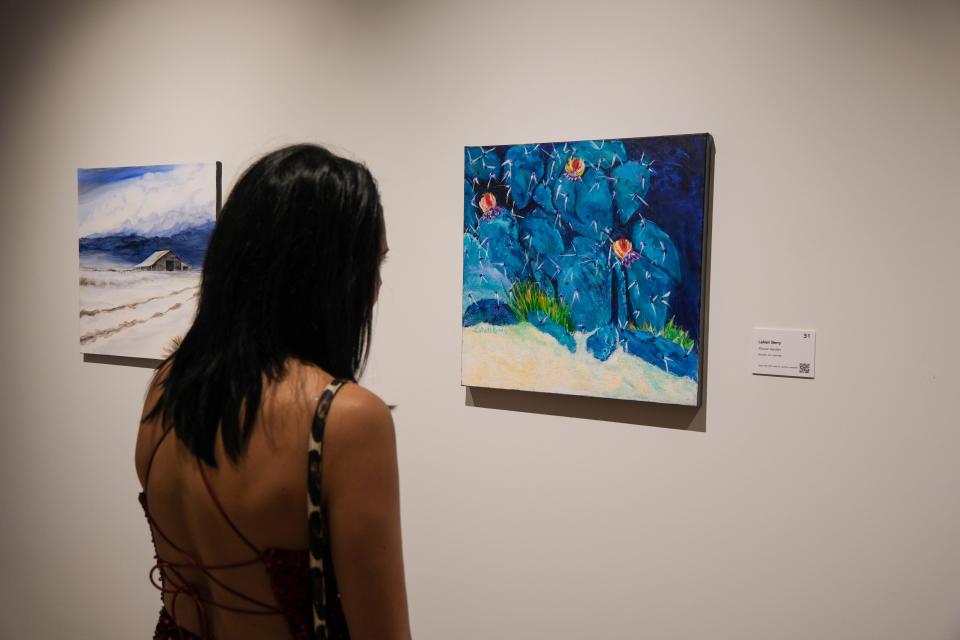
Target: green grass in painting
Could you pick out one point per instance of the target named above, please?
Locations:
(671, 331)
(525, 296)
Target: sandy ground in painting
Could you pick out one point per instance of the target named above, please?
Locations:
(135, 313)
(521, 357)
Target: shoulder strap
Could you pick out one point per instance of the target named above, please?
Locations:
(315, 513)
(317, 431)
(323, 408)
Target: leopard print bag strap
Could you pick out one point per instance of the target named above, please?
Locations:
(328, 621)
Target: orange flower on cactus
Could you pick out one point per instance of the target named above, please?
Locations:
(575, 168)
(488, 201)
(488, 205)
(623, 249)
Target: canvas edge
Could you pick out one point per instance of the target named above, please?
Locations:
(705, 253)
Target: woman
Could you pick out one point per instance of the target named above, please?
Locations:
(268, 424)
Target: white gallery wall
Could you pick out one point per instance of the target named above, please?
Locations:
(782, 509)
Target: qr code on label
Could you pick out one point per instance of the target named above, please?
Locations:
(804, 367)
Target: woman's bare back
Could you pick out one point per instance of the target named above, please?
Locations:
(265, 496)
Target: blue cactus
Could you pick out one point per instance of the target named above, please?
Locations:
(540, 320)
(648, 291)
(490, 312)
(661, 353)
(470, 209)
(544, 198)
(632, 183)
(599, 154)
(481, 164)
(594, 206)
(541, 234)
(584, 286)
(603, 342)
(500, 242)
(650, 241)
(524, 173)
(482, 279)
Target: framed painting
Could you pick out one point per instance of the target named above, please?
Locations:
(143, 234)
(584, 267)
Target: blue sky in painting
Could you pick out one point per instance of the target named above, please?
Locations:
(147, 201)
(90, 179)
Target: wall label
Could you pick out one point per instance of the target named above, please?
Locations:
(784, 352)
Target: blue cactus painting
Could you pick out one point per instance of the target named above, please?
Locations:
(583, 267)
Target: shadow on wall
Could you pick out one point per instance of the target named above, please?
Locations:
(605, 409)
(613, 410)
(143, 363)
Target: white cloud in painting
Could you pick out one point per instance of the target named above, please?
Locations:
(159, 203)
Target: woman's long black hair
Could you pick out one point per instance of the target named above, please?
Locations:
(292, 270)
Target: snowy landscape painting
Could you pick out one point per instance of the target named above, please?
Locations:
(143, 236)
(583, 267)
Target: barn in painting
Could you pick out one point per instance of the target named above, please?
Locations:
(165, 260)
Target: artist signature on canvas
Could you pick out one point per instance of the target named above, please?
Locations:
(488, 329)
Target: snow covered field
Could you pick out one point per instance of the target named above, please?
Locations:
(135, 313)
(521, 357)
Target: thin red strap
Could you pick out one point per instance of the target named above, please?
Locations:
(146, 508)
(161, 565)
(184, 552)
(223, 512)
(146, 489)
(192, 562)
(185, 588)
(179, 585)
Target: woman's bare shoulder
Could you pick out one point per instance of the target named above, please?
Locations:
(362, 493)
(355, 404)
(358, 414)
(360, 448)
(287, 405)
